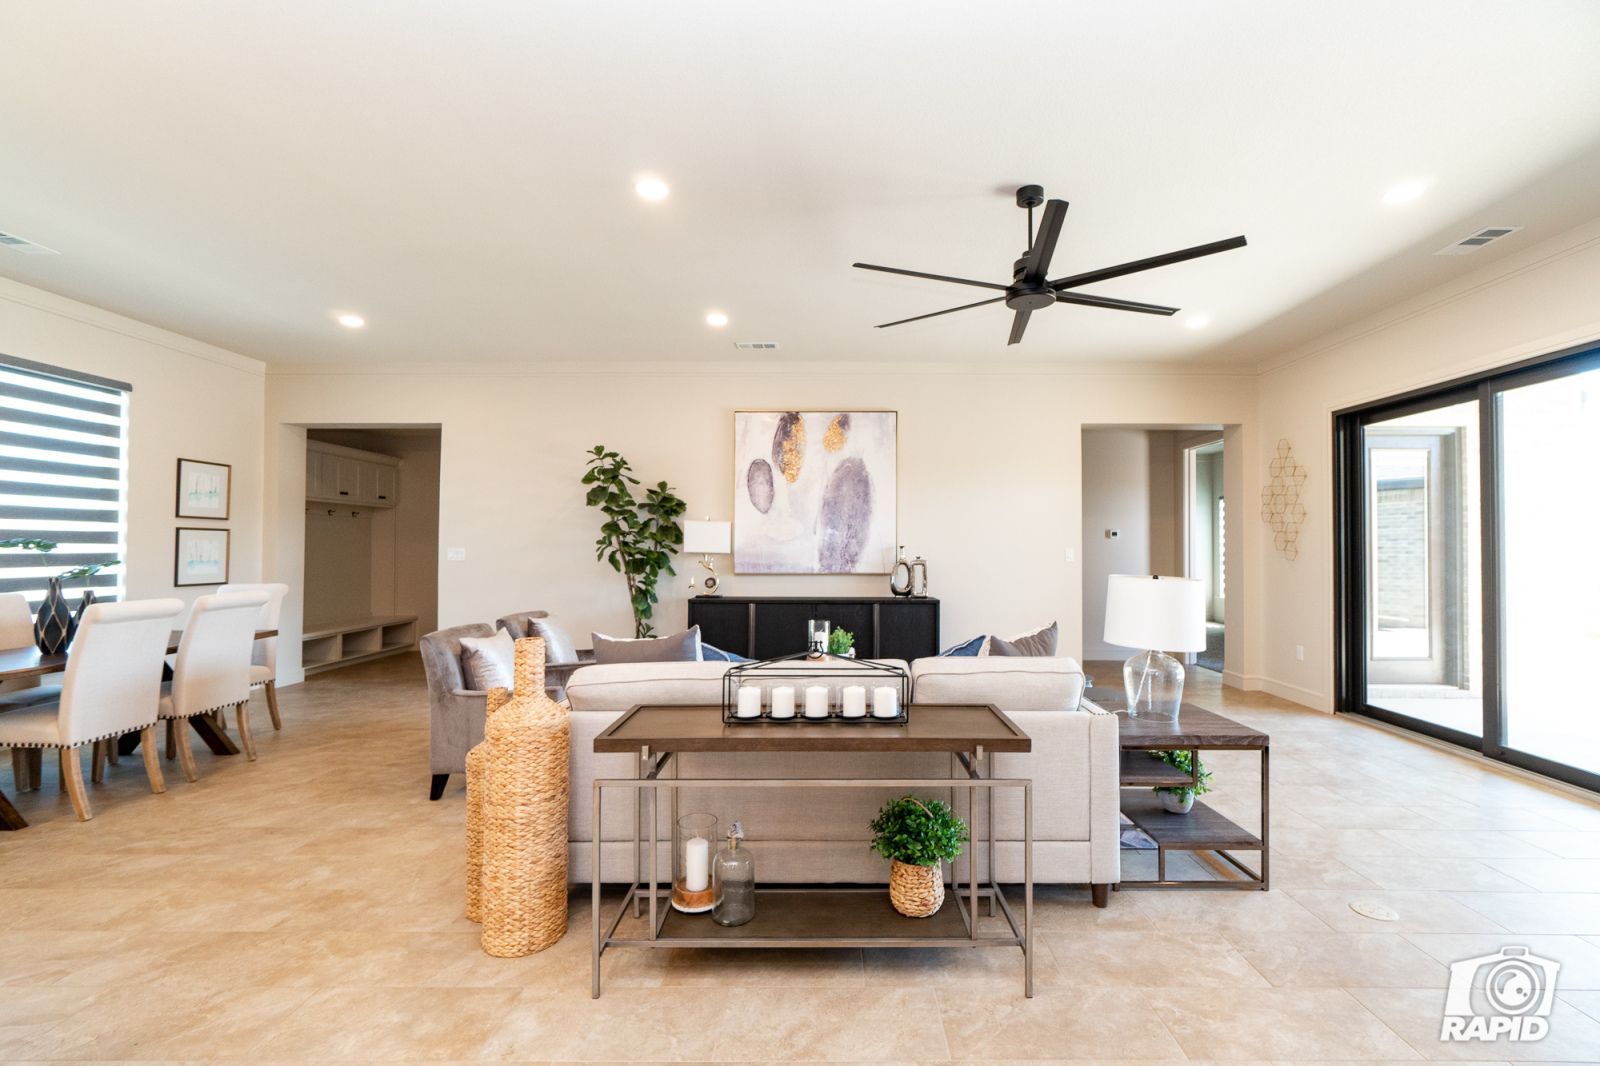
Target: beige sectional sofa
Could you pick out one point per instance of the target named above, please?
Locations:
(821, 835)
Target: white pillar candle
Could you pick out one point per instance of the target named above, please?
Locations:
(781, 701)
(749, 702)
(855, 701)
(816, 701)
(697, 864)
(885, 702)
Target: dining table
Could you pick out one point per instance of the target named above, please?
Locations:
(17, 664)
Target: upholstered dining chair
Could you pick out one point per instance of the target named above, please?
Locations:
(264, 654)
(212, 671)
(111, 687)
(16, 621)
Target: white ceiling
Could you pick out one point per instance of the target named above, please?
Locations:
(461, 174)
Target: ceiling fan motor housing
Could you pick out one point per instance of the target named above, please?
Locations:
(1027, 296)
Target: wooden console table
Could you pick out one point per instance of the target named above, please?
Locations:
(1202, 829)
(810, 917)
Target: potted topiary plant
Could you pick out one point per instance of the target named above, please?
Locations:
(842, 642)
(916, 836)
(1180, 800)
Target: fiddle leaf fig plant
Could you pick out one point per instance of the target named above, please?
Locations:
(638, 537)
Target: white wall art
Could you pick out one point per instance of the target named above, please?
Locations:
(204, 489)
(202, 557)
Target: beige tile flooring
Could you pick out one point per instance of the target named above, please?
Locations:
(307, 907)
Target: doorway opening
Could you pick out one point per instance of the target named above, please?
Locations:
(1206, 541)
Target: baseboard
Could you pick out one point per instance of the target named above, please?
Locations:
(1317, 701)
(1234, 679)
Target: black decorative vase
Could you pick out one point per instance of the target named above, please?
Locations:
(83, 605)
(53, 630)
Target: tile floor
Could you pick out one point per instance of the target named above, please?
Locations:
(307, 908)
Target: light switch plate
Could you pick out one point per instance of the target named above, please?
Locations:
(456, 555)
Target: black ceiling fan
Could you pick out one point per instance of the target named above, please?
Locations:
(1030, 290)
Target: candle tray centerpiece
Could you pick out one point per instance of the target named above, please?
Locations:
(786, 689)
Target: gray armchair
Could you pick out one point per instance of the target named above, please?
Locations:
(561, 659)
(457, 712)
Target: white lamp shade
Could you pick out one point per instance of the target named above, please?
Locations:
(1156, 613)
(707, 538)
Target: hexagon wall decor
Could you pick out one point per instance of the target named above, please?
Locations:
(1281, 507)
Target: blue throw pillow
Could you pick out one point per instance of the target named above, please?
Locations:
(711, 653)
(971, 647)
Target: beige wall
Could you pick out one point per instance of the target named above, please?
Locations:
(189, 399)
(1538, 301)
(989, 471)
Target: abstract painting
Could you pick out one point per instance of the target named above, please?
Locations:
(202, 557)
(204, 489)
(814, 492)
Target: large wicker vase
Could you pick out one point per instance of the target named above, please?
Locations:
(522, 819)
(916, 891)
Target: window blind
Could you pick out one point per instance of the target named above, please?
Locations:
(63, 477)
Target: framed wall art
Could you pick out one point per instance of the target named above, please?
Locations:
(201, 557)
(205, 490)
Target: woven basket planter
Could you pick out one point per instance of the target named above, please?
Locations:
(523, 894)
(916, 891)
(477, 765)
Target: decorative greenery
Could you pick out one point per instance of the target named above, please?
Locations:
(638, 537)
(1182, 761)
(919, 832)
(840, 641)
(45, 547)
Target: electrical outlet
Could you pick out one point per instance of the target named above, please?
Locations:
(456, 555)
(1300, 653)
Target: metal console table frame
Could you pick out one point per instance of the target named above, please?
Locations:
(796, 917)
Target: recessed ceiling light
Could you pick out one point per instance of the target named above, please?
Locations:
(1407, 192)
(351, 321)
(651, 188)
(1197, 321)
(716, 318)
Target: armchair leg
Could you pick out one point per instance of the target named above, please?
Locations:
(19, 769)
(436, 789)
(72, 781)
(152, 760)
(272, 704)
(246, 738)
(1101, 894)
(185, 754)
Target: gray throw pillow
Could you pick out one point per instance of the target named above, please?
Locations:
(486, 662)
(1042, 643)
(680, 648)
(557, 642)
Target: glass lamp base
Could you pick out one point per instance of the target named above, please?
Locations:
(1153, 682)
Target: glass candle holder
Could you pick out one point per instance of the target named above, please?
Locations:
(817, 637)
(694, 839)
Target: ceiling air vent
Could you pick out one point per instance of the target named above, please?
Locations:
(1473, 241)
(755, 346)
(23, 245)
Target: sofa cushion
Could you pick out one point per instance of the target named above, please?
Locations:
(486, 662)
(1040, 643)
(1011, 684)
(679, 648)
(617, 686)
(966, 647)
(558, 647)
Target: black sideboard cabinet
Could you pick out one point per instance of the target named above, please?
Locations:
(764, 627)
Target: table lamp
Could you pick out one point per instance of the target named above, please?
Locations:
(1159, 614)
(706, 539)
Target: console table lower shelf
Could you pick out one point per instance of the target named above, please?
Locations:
(813, 916)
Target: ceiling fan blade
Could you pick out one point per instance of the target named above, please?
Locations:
(1154, 261)
(1018, 324)
(936, 314)
(930, 277)
(1116, 305)
(1044, 242)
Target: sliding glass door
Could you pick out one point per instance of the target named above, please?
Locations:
(1469, 564)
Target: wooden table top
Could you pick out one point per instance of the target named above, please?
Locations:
(1195, 727)
(17, 663)
(701, 728)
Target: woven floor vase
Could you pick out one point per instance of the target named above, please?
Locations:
(477, 785)
(524, 895)
(916, 891)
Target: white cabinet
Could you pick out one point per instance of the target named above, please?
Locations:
(344, 475)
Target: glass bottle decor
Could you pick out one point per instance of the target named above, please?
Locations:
(919, 577)
(733, 881)
(900, 577)
(691, 862)
(817, 638)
